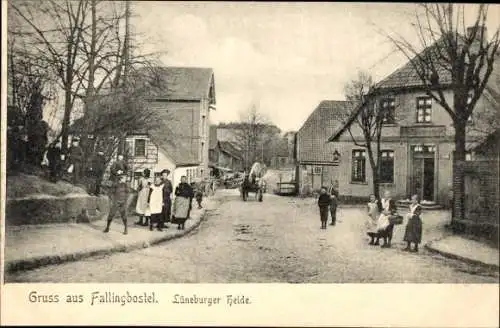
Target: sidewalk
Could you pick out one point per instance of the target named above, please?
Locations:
(31, 246)
(466, 250)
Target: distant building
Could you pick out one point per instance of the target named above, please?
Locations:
(223, 155)
(318, 160)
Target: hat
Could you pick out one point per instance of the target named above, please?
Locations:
(165, 171)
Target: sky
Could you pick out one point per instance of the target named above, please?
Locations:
(284, 57)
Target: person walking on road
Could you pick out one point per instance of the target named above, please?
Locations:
(333, 191)
(119, 202)
(141, 207)
(324, 202)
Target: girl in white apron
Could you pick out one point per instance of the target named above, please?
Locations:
(155, 201)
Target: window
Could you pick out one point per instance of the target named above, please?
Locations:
(387, 166)
(469, 119)
(317, 170)
(140, 148)
(358, 173)
(424, 109)
(469, 156)
(388, 110)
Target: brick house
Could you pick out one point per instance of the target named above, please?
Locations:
(417, 141)
(180, 144)
(318, 160)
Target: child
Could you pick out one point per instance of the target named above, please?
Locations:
(119, 202)
(155, 202)
(324, 205)
(413, 231)
(198, 195)
(371, 222)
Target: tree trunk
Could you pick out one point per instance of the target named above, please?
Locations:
(458, 173)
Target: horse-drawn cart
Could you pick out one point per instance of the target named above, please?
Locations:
(254, 183)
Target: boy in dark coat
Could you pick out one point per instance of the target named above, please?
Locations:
(54, 157)
(324, 205)
(119, 199)
(198, 193)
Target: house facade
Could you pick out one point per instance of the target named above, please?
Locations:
(417, 142)
(317, 160)
(180, 141)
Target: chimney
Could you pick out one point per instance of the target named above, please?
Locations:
(480, 29)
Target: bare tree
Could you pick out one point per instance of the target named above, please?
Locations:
(54, 30)
(253, 135)
(368, 118)
(455, 57)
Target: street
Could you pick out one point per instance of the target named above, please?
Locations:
(278, 240)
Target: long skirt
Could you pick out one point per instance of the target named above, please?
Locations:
(141, 207)
(181, 210)
(413, 231)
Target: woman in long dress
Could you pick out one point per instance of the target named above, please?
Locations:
(182, 204)
(413, 231)
(142, 208)
(372, 218)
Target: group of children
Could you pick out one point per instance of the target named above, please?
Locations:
(382, 216)
(379, 224)
(154, 205)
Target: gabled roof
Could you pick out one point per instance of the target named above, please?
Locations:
(406, 76)
(314, 133)
(228, 147)
(177, 146)
(187, 83)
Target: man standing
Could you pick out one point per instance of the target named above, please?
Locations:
(119, 197)
(333, 191)
(54, 157)
(118, 168)
(97, 170)
(76, 159)
(167, 201)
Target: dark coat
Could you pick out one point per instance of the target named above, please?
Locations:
(98, 164)
(76, 155)
(118, 166)
(324, 200)
(120, 192)
(54, 155)
(167, 191)
(413, 231)
(184, 190)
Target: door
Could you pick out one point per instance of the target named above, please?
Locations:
(423, 178)
(428, 179)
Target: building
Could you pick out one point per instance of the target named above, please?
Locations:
(180, 143)
(417, 142)
(284, 152)
(223, 155)
(318, 160)
(482, 186)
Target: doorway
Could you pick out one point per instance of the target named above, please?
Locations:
(423, 172)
